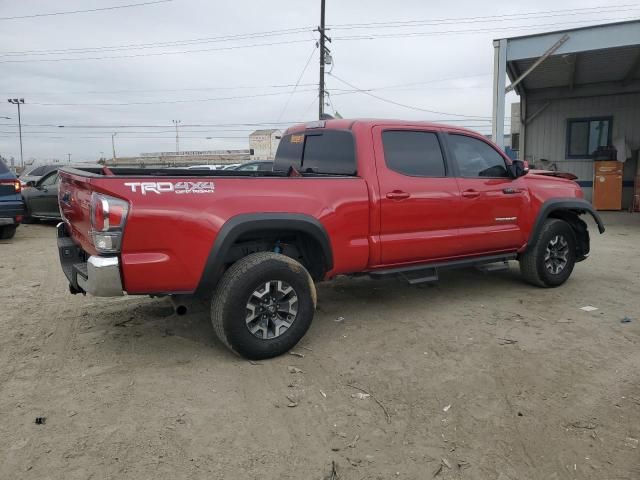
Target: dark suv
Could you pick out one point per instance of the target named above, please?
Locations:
(11, 204)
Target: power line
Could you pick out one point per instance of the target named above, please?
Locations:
(306, 65)
(165, 102)
(175, 43)
(104, 137)
(489, 18)
(159, 90)
(112, 126)
(411, 107)
(167, 129)
(249, 87)
(414, 84)
(115, 7)
(153, 54)
(472, 31)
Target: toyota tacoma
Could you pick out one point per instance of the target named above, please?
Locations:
(379, 197)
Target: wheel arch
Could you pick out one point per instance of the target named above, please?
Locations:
(568, 210)
(240, 226)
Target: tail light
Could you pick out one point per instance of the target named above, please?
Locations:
(108, 216)
(17, 186)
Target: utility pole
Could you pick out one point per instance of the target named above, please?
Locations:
(18, 101)
(69, 158)
(176, 122)
(113, 145)
(324, 51)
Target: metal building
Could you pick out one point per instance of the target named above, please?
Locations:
(579, 90)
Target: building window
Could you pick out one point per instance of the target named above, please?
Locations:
(515, 141)
(585, 135)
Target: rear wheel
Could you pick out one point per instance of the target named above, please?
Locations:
(550, 261)
(7, 232)
(263, 305)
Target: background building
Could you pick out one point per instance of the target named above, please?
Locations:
(579, 100)
(264, 143)
(173, 159)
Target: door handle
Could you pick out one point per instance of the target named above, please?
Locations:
(398, 195)
(470, 194)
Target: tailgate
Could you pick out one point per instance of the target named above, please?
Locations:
(74, 197)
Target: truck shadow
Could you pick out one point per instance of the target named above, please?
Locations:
(154, 323)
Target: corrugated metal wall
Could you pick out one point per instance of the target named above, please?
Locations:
(546, 135)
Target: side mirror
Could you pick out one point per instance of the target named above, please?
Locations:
(31, 183)
(518, 168)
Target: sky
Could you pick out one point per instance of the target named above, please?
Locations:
(223, 69)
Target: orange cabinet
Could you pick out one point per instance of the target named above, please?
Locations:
(607, 185)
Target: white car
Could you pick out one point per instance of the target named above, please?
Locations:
(204, 167)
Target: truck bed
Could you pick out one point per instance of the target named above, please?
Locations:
(175, 216)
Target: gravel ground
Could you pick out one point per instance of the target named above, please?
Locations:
(478, 377)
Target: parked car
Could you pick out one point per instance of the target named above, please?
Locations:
(36, 173)
(203, 167)
(255, 167)
(383, 198)
(41, 198)
(11, 205)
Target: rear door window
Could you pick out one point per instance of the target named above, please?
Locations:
(415, 154)
(249, 168)
(317, 151)
(50, 180)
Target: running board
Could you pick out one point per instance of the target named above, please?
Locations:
(415, 274)
(494, 267)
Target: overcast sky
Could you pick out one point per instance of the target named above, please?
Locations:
(173, 65)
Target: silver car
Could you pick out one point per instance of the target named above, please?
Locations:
(36, 173)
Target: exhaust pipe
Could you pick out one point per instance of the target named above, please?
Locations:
(179, 306)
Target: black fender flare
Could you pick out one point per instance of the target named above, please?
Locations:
(577, 205)
(245, 223)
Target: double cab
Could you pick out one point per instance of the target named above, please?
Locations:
(381, 197)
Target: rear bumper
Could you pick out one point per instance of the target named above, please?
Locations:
(97, 276)
(11, 212)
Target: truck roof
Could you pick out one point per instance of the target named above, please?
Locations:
(347, 124)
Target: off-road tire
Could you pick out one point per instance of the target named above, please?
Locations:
(532, 262)
(235, 289)
(8, 232)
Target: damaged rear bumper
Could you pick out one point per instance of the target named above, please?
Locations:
(95, 275)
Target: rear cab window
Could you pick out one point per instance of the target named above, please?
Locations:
(3, 168)
(321, 151)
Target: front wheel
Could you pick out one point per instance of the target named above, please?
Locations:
(550, 261)
(263, 305)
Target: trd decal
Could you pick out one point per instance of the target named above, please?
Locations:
(179, 188)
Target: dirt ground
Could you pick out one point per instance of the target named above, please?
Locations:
(481, 375)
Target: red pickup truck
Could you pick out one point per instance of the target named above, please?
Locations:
(345, 196)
